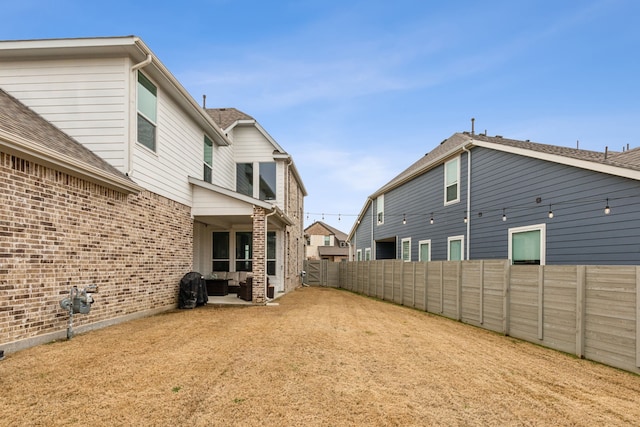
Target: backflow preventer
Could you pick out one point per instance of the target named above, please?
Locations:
(79, 301)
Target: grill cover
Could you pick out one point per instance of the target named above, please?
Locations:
(192, 291)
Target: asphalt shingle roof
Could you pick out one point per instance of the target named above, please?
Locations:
(225, 117)
(18, 119)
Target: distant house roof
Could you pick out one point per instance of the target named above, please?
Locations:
(225, 117)
(25, 133)
(339, 234)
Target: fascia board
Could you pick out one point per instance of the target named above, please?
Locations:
(582, 164)
(15, 145)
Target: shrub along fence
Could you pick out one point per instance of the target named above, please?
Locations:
(590, 311)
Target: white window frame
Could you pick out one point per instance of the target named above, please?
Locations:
(424, 242)
(151, 120)
(543, 240)
(208, 163)
(402, 253)
(380, 209)
(367, 254)
(326, 241)
(451, 239)
(457, 199)
(359, 255)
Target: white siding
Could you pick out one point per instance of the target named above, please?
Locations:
(224, 167)
(84, 98)
(251, 146)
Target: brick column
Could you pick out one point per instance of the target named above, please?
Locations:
(259, 255)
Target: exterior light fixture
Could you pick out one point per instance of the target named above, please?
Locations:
(465, 219)
(607, 209)
(431, 220)
(504, 215)
(550, 212)
(404, 219)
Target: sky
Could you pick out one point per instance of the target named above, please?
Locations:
(358, 90)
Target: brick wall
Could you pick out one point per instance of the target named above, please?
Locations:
(57, 231)
(294, 234)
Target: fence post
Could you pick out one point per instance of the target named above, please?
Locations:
(581, 285)
(481, 308)
(459, 291)
(638, 317)
(441, 287)
(506, 297)
(426, 286)
(413, 298)
(541, 302)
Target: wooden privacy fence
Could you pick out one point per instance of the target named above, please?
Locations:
(321, 273)
(590, 311)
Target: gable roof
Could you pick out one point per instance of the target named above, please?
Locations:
(131, 47)
(339, 234)
(225, 117)
(25, 133)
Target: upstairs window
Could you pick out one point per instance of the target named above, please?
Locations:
(147, 112)
(380, 209)
(267, 181)
(406, 249)
(208, 159)
(451, 181)
(327, 240)
(244, 179)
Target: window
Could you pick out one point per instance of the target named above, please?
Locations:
(147, 112)
(327, 240)
(244, 251)
(359, 255)
(271, 253)
(527, 245)
(267, 181)
(244, 178)
(425, 250)
(367, 254)
(208, 159)
(405, 246)
(380, 209)
(455, 248)
(451, 181)
(220, 251)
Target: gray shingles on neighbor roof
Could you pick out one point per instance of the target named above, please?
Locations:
(18, 119)
(629, 159)
(225, 117)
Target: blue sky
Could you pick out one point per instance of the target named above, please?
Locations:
(358, 90)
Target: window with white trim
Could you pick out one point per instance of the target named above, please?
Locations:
(367, 254)
(455, 248)
(208, 159)
(527, 245)
(405, 245)
(452, 181)
(147, 112)
(380, 209)
(359, 255)
(424, 253)
(327, 240)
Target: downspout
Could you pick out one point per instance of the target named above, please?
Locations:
(134, 68)
(468, 200)
(266, 227)
(373, 247)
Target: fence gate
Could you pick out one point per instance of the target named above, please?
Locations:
(315, 270)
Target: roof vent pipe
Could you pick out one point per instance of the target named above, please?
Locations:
(473, 126)
(606, 151)
(204, 101)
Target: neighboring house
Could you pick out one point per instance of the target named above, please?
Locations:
(326, 242)
(114, 175)
(481, 197)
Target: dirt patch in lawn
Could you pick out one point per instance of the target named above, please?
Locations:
(322, 357)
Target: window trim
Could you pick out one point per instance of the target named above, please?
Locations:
(424, 242)
(402, 253)
(457, 199)
(359, 255)
(207, 166)
(543, 240)
(141, 115)
(367, 254)
(380, 209)
(451, 239)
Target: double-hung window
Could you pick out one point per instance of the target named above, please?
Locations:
(455, 248)
(380, 209)
(271, 253)
(208, 159)
(220, 251)
(527, 244)
(327, 240)
(452, 181)
(406, 249)
(359, 255)
(147, 112)
(425, 250)
(367, 254)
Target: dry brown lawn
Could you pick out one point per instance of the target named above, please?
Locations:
(323, 357)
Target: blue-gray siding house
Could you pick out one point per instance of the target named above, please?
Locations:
(481, 197)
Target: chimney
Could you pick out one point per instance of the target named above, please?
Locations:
(473, 126)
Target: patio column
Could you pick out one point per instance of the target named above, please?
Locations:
(259, 255)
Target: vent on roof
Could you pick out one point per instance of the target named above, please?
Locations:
(498, 136)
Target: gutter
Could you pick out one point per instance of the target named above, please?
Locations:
(468, 245)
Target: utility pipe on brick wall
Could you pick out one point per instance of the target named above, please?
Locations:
(468, 245)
